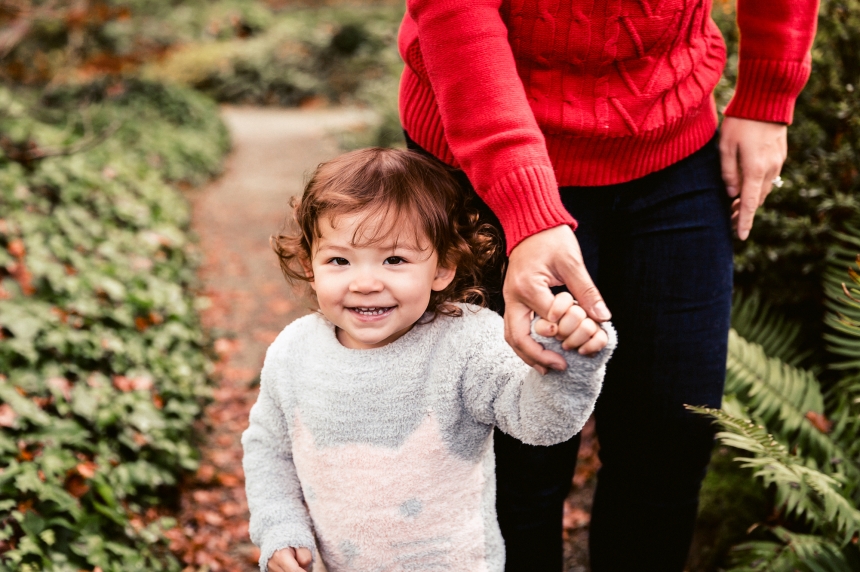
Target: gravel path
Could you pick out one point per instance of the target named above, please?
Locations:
(249, 303)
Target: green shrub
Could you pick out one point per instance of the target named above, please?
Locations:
(797, 434)
(342, 55)
(103, 360)
(50, 42)
(792, 233)
(780, 376)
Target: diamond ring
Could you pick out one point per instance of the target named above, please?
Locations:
(777, 182)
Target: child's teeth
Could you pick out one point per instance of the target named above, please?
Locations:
(372, 311)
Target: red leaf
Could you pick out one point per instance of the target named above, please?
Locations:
(819, 421)
(574, 517)
(7, 415)
(86, 470)
(76, 486)
(16, 248)
(122, 383)
(62, 385)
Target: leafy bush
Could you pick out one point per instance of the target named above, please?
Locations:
(792, 233)
(799, 435)
(103, 359)
(57, 42)
(339, 54)
(794, 236)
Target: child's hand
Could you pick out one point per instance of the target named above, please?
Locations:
(290, 560)
(569, 324)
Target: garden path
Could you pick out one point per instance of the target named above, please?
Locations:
(249, 303)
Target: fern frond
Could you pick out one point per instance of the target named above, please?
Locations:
(802, 490)
(843, 301)
(803, 552)
(788, 401)
(757, 322)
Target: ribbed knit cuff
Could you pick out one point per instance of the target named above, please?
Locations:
(767, 89)
(527, 201)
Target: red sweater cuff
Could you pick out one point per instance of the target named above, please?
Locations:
(767, 89)
(527, 201)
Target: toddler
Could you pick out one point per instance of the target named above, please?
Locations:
(372, 433)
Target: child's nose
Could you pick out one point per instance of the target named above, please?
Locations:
(365, 281)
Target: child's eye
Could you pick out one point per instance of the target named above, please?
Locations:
(338, 261)
(394, 260)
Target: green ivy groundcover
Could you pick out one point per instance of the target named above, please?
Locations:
(103, 363)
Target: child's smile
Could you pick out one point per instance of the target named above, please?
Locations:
(373, 292)
(372, 313)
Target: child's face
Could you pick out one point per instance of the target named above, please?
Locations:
(373, 293)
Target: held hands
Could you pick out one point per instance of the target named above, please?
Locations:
(568, 323)
(290, 560)
(752, 154)
(547, 258)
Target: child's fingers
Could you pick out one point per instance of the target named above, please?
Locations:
(560, 304)
(570, 322)
(582, 334)
(597, 342)
(284, 560)
(304, 558)
(545, 328)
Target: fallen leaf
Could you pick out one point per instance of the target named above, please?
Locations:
(7, 415)
(819, 421)
(76, 485)
(86, 470)
(122, 383)
(574, 517)
(228, 480)
(205, 473)
(62, 385)
(16, 248)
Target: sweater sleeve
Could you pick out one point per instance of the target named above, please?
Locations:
(500, 389)
(279, 518)
(488, 122)
(774, 61)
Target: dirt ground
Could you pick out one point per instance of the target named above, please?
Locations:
(249, 303)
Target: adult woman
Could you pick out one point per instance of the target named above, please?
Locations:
(602, 111)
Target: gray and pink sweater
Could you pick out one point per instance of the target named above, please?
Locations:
(384, 457)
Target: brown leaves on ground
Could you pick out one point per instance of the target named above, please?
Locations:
(213, 525)
(577, 507)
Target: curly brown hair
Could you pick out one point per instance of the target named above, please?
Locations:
(392, 185)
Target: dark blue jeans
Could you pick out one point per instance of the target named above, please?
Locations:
(660, 250)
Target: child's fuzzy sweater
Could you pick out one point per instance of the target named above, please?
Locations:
(385, 455)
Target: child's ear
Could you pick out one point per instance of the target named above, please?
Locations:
(309, 272)
(443, 278)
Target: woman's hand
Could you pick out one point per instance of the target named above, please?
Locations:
(290, 560)
(752, 154)
(548, 258)
(567, 322)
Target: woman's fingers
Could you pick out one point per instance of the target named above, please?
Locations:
(752, 154)
(518, 319)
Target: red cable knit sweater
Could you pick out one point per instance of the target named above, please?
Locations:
(527, 95)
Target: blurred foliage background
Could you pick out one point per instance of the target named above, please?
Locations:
(108, 110)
